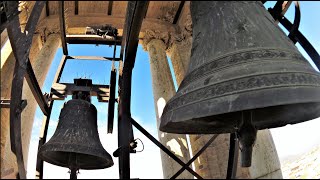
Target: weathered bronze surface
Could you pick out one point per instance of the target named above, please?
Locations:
(76, 138)
(241, 61)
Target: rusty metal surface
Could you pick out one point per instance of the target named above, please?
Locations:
(133, 22)
(20, 43)
(240, 67)
(63, 28)
(233, 157)
(36, 90)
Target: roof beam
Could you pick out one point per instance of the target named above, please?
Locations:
(62, 28)
(110, 8)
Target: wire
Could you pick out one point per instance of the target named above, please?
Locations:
(141, 143)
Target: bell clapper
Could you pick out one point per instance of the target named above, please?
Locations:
(74, 170)
(247, 134)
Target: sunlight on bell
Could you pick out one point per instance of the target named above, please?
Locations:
(160, 104)
(175, 147)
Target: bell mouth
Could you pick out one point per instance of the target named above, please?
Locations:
(263, 118)
(90, 161)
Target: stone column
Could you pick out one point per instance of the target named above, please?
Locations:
(41, 65)
(163, 90)
(213, 162)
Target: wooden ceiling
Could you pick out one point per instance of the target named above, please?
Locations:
(163, 10)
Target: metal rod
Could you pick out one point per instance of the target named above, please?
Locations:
(93, 58)
(306, 45)
(177, 16)
(296, 23)
(63, 28)
(233, 157)
(35, 89)
(163, 148)
(46, 120)
(195, 156)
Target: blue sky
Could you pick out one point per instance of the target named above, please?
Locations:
(287, 140)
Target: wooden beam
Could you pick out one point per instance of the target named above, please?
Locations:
(83, 21)
(110, 8)
(76, 7)
(91, 39)
(60, 90)
(63, 28)
(177, 16)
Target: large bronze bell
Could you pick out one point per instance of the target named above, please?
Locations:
(244, 75)
(75, 143)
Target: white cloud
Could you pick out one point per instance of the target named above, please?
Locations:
(297, 138)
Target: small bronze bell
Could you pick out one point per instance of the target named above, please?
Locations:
(75, 143)
(244, 75)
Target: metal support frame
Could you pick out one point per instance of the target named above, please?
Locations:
(46, 119)
(133, 22)
(195, 156)
(93, 58)
(20, 39)
(233, 156)
(5, 103)
(136, 11)
(63, 28)
(102, 90)
(35, 89)
(294, 34)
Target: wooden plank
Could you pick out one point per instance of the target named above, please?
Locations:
(62, 28)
